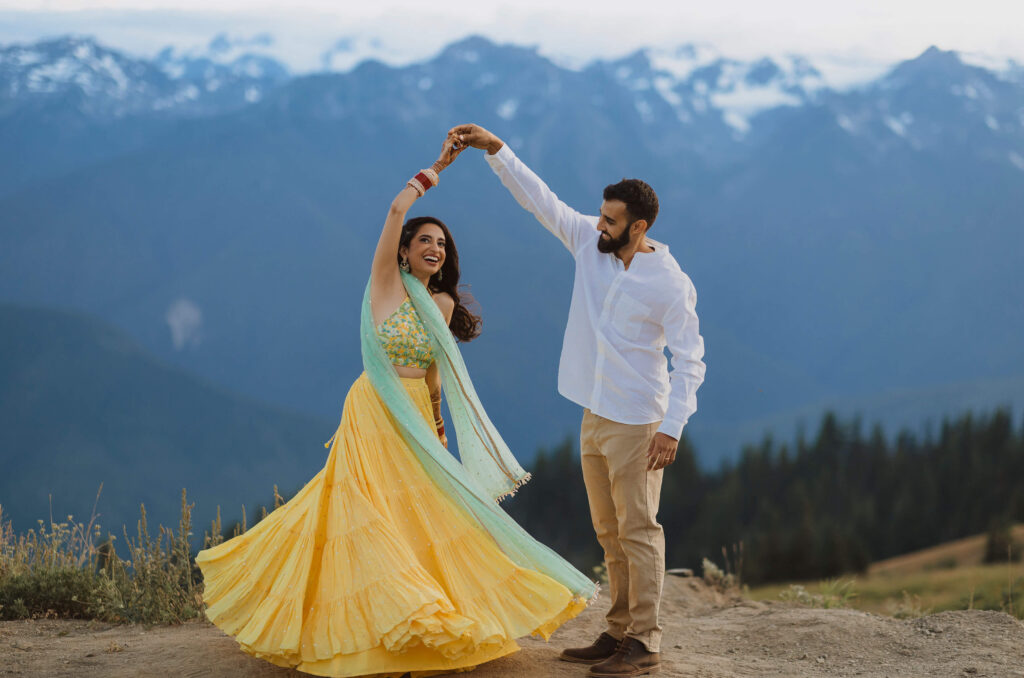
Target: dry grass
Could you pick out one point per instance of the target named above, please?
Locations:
(975, 587)
(65, 569)
(950, 576)
(959, 553)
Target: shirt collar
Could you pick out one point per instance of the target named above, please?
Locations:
(659, 247)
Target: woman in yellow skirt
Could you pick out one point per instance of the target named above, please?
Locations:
(396, 558)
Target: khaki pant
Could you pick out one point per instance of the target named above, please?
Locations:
(624, 508)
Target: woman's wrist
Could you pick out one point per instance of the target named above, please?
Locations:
(423, 181)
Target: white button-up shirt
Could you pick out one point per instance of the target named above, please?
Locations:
(620, 320)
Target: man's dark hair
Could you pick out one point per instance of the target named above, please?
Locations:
(641, 200)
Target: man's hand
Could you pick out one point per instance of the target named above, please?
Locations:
(449, 151)
(662, 451)
(477, 137)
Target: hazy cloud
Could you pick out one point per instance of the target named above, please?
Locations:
(185, 319)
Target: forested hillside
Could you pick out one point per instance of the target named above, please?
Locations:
(810, 508)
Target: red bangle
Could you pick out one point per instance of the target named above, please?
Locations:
(440, 430)
(424, 181)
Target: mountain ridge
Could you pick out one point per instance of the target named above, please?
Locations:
(828, 244)
(81, 404)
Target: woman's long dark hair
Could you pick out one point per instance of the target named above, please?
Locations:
(464, 324)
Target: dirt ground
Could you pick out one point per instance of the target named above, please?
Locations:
(707, 635)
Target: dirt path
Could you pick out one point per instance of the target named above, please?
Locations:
(706, 636)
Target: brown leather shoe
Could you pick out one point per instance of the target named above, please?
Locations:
(630, 659)
(603, 648)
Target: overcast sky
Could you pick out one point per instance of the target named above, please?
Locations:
(571, 31)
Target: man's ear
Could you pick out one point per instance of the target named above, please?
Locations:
(639, 226)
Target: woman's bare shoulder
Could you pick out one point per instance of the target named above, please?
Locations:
(445, 302)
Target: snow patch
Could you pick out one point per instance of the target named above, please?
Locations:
(175, 71)
(27, 57)
(507, 109)
(737, 122)
(645, 111)
(185, 320)
(116, 73)
(896, 125)
(82, 52)
(747, 101)
(664, 86)
(252, 69)
(682, 61)
(639, 84)
(485, 80)
(46, 77)
(1002, 67)
(847, 124)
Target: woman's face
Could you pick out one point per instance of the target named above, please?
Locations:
(426, 251)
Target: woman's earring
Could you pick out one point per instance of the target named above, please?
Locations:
(440, 274)
(405, 264)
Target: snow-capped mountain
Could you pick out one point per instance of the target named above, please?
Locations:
(224, 62)
(937, 101)
(107, 84)
(830, 232)
(698, 83)
(689, 87)
(690, 98)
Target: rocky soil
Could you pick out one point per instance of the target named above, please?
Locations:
(707, 635)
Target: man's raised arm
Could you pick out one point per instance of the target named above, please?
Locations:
(528, 189)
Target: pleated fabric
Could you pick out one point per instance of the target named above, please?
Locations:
(372, 570)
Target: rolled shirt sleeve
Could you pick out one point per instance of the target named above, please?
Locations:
(682, 335)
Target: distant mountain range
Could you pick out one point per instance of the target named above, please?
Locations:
(82, 404)
(848, 247)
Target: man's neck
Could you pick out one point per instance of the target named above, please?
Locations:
(626, 253)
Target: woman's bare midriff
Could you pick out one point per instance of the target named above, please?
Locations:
(410, 372)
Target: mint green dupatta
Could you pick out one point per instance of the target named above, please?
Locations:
(488, 472)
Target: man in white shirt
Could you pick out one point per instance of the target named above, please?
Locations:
(630, 300)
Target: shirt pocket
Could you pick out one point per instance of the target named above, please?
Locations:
(631, 319)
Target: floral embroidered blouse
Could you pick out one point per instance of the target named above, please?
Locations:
(405, 339)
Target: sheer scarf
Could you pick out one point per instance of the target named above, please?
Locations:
(488, 471)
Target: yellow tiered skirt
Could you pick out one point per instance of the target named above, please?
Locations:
(371, 570)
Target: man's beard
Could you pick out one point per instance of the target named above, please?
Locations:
(613, 244)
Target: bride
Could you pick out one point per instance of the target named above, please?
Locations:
(396, 557)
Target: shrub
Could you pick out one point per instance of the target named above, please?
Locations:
(833, 593)
(59, 571)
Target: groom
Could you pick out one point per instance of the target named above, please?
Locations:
(630, 300)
